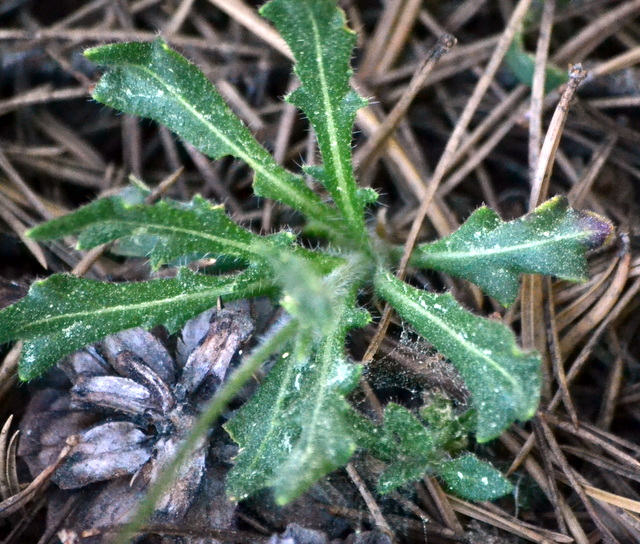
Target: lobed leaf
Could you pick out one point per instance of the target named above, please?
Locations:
(170, 230)
(63, 313)
(504, 381)
(492, 254)
(412, 450)
(322, 46)
(415, 451)
(153, 81)
(296, 428)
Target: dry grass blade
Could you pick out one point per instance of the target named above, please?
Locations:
(611, 498)
(533, 334)
(498, 132)
(396, 38)
(580, 304)
(555, 353)
(11, 464)
(613, 389)
(578, 365)
(589, 436)
(599, 310)
(463, 12)
(579, 192)
(45, 94)
(411, 507)
(5, 487)
(463, 57)
(575, 484)
(553, 493)
(18, 501)
(542, 174)
(539, 476)
(19, 228)
(9, 370)
(182, 532)
(378, 41)
(617, 63)
(414, 531)
(23, 187)
(369, 152)
(443, 504)
(179, 17)
(591, 36)
(247, 17)
(370, 501)
(512, 525)
(603, 462)
(70, 139)
(537, 86)
(40, 95)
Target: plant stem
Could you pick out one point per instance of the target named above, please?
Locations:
(212, 412)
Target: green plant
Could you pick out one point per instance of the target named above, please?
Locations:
(299, 426)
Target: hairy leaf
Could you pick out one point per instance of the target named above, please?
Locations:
(172, 230)
(503, 380)
(295, 429)
(312, 294)
(415, 453)
(413, 449)
(491, 253)
(473, 479)
(410, 447)
(64, 313)
(323, 58)
(151, 80)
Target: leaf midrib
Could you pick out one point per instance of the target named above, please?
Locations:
(460, 255)
(273, 422)
(183, 297)
(319, 404)
(243, 248)
(470, 347)
(236, 151)
(341, 178)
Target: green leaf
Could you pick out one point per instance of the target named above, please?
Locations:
(491, 253)
(153, 81)
(322, 45)
(473, 479)
(311, 291)
(295, 429)
(503, 380)
(63, 313)
(523, 65)
(306, 295)
(171, 229)
(415, 449)
(410, 448)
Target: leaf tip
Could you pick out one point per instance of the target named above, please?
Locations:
(601, 230)
(90, 52)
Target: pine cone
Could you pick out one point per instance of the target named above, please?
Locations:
(132, 404)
